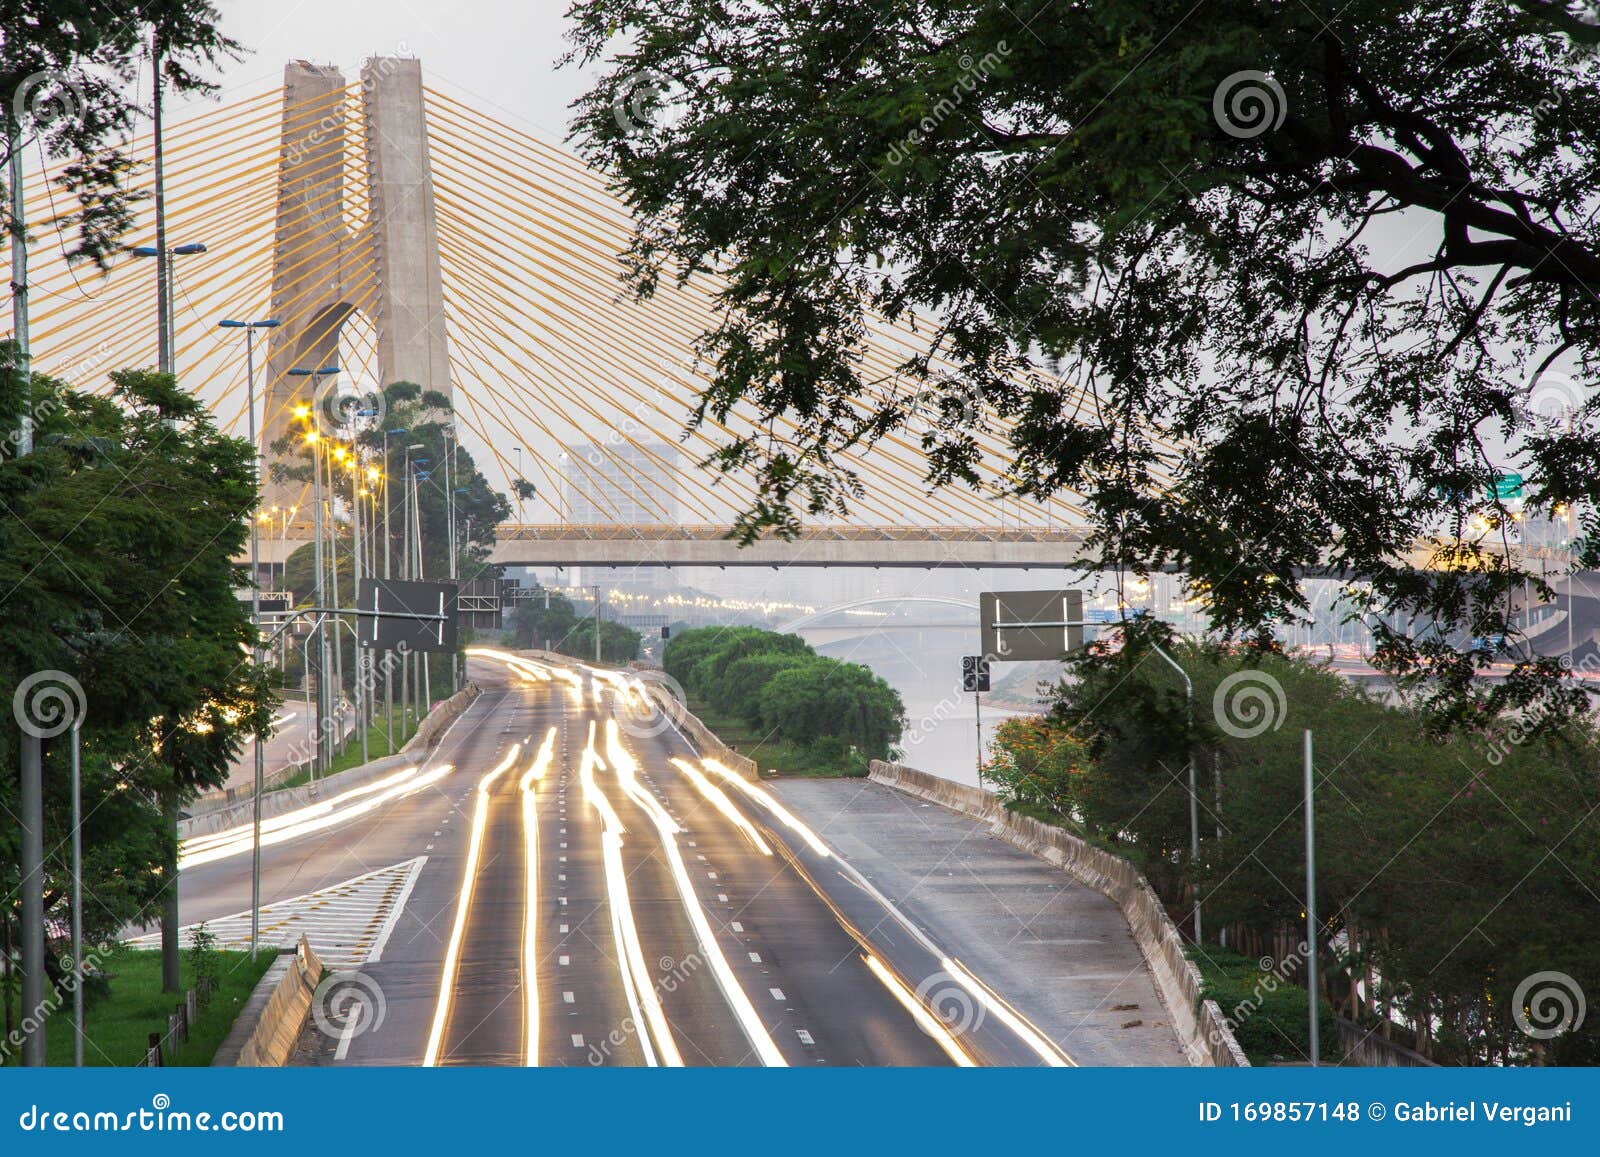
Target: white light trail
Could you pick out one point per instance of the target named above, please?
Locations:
(452, 956)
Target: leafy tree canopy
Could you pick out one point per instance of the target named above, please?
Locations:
(1274, 287)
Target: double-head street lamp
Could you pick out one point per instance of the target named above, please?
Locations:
(250, 328)
(165, 353)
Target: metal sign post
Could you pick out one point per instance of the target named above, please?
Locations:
(975, 678)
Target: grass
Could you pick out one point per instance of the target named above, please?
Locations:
(821, 761)
(119, 1020)
(377, 747)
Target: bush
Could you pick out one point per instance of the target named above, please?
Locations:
(1037, 764)
(826, 697)
(1267, 1012)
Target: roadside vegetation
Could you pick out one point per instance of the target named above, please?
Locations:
(1450, 865)
(124, 1004)
(558, 628)
(794, 710)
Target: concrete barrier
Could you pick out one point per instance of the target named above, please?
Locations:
(287, 799)
(1365, 1047)
(265, 1032)
(704, 738)
(1199, 1024)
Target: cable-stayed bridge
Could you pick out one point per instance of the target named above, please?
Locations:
(399, 234)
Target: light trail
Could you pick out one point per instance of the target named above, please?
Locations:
(530, 906)
(755, 1031)
(766, 800)
(719, 800)
(1046, 1050)
(314, 818)
(452, 957)
(643, 999)
(926, 1021)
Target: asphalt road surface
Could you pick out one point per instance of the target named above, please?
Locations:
(595, 893)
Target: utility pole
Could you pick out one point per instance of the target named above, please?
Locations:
(31, 756)
(250, 328)
(597, 624)
(1194, 795)
(1311, 904)
(33, 980)
(77, 897)
(163, 259)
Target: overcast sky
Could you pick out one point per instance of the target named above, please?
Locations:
(502, 53)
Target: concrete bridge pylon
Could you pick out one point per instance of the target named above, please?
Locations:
(356, 232)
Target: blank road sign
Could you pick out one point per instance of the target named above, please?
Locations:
(1041, 631)
(394, 627)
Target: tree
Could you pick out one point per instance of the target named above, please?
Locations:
(828, 699)
(117, 537)
(536, 624)
(1439, 860)
(66, 66)
(618, 644)
(1271, 289)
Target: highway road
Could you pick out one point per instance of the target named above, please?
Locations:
(567, 881)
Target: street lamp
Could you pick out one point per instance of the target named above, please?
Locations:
(165, 352)
(313, 436)
(250, 328)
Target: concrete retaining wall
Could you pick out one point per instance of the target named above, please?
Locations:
(272, 1020)
(1199, 1024)
(1365, 1047)
(288, 799)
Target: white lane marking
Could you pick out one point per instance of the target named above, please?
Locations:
(394, 913)
(352, 1022)
(777, 994)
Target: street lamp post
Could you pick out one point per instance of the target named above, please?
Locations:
(166, 351)
(250, 328)
(314, 436)
(1194, 796)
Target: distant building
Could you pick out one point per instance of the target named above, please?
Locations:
(621, 484)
